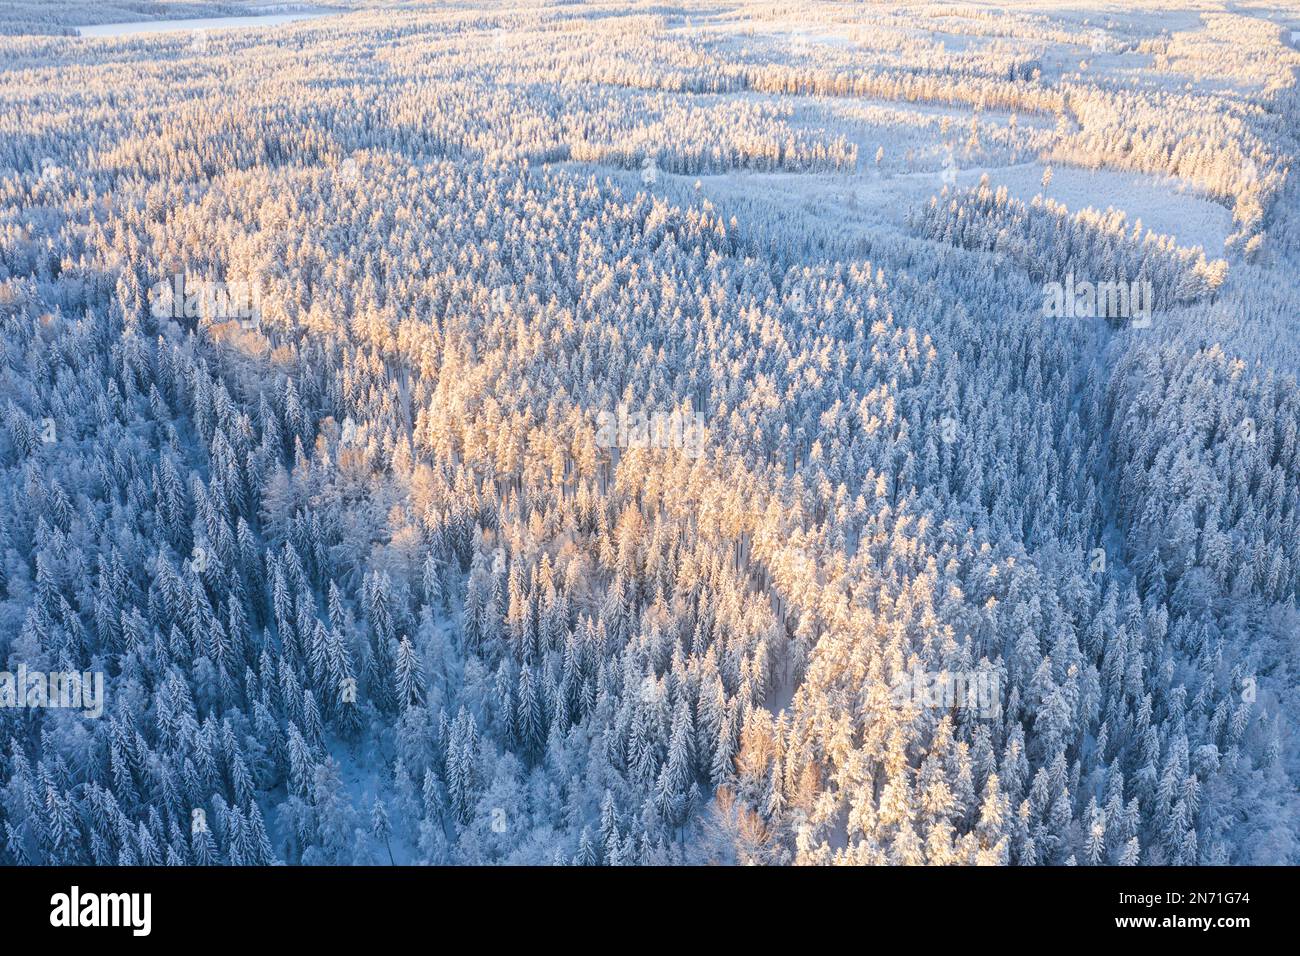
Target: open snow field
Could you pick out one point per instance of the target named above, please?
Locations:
(258, 21)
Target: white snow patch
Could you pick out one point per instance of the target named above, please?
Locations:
(200, 23)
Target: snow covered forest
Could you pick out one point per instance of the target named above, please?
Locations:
(617, 433)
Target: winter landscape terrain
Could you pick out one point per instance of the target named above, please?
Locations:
(625, 433)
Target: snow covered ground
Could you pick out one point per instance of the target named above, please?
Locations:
(868, 199)
(267, 19)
